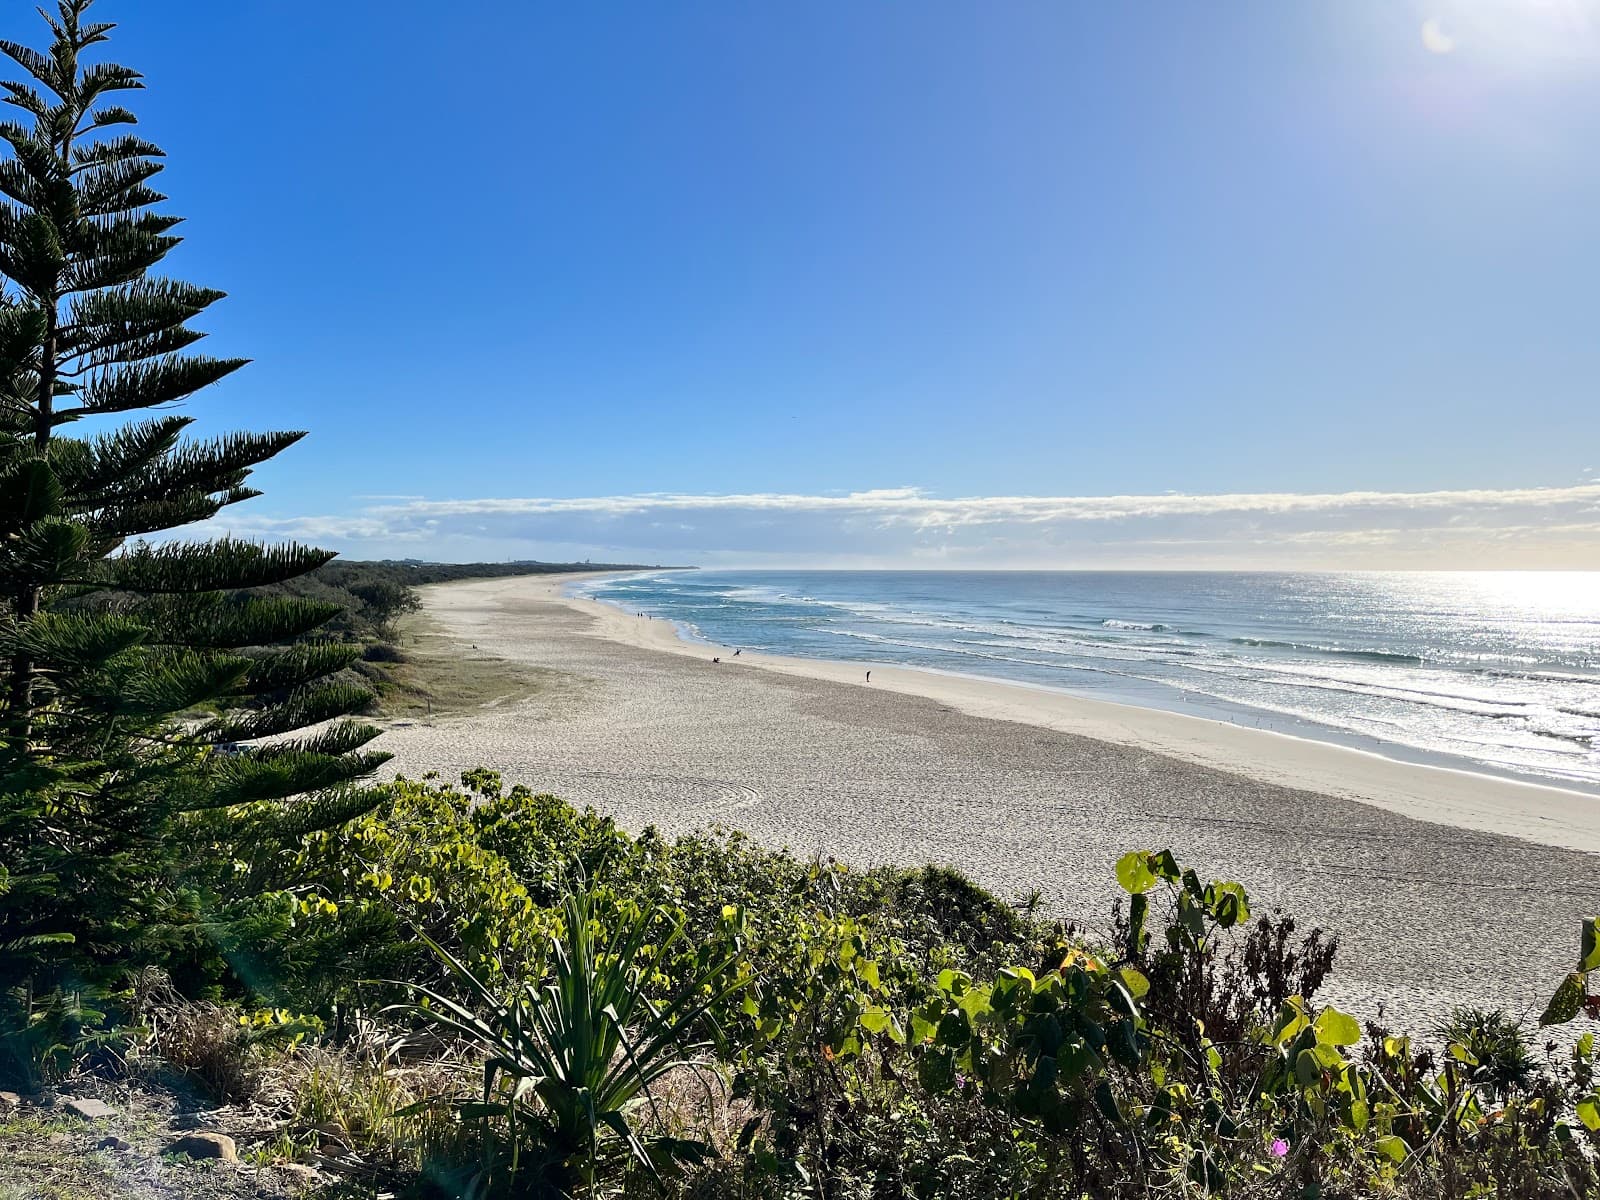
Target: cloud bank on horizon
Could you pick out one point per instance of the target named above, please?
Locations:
(1527, 528)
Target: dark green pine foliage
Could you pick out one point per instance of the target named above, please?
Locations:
(159, 725)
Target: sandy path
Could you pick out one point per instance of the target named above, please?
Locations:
(1430, 914)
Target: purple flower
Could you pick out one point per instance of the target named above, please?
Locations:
(1279, 1147)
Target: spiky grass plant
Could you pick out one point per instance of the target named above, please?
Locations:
(569, 1059)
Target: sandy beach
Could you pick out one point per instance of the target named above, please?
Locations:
(1444, 887)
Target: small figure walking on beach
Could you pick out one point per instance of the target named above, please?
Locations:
(736, 652)
(869, 676)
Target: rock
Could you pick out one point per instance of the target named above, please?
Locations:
(58, 1139)
(113, 1143)
(336, 1135)
(205, 1145)
(10, 1101)
(300, 1174)
(90, 1110)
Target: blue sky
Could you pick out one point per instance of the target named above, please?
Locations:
(523, 267)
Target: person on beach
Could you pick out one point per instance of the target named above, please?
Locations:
(736, 653)
(716, 660)
(869, 676)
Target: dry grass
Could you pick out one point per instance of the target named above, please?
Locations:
(441, 677)
(366, 1098)
(202, 1042)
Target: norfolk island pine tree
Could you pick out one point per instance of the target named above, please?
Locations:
(158, 722)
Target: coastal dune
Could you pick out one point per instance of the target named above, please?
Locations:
(1444, 887)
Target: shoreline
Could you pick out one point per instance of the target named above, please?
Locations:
(1024, 792)
(1453, 796)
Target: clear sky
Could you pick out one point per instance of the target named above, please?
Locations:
(521, 267)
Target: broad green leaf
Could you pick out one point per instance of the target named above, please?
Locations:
(1567, 1001)
(953, 982)
(1228, 903)
(1391, 1147)
(1307, 1068)
(1164, 865)
(953, 1030)
(880, 1020)
(1134, 873)
(1134, 980)
(1021, 974)
(1077, 1061)
(1330, 1058)
(1461, 1054)
(875, 1020)
(1292, 1020)
(1589, 1112)
(1336, 1028)
(975, 1003)
(1590, 958)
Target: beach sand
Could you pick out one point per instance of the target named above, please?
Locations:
(1444, 887)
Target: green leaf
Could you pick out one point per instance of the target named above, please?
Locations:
(1335, 1028)
(1589, 960)
(1567, 1001)
(1134, 873)
(1292, 1020)
(953, 1030)
(953, 982)
(1164, 865)
(1588, 1110)
(1307, 1068)
(1134, 980)
(1228, 903)
(880, 1020)
(1391, 1147)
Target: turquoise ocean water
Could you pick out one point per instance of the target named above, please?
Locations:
(1490, 671)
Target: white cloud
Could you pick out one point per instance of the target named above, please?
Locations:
(916, 507)
(1548, 526)
(1435, 39)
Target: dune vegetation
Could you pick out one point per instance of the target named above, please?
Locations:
(432, 988)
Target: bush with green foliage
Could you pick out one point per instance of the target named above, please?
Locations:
(903, 1032)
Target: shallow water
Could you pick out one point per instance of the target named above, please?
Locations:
(1488, 671)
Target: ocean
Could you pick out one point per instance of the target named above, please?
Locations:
(1496, 672)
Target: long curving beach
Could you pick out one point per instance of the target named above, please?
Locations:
(1444, 887)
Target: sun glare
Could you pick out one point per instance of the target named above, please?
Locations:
(1512, 30)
